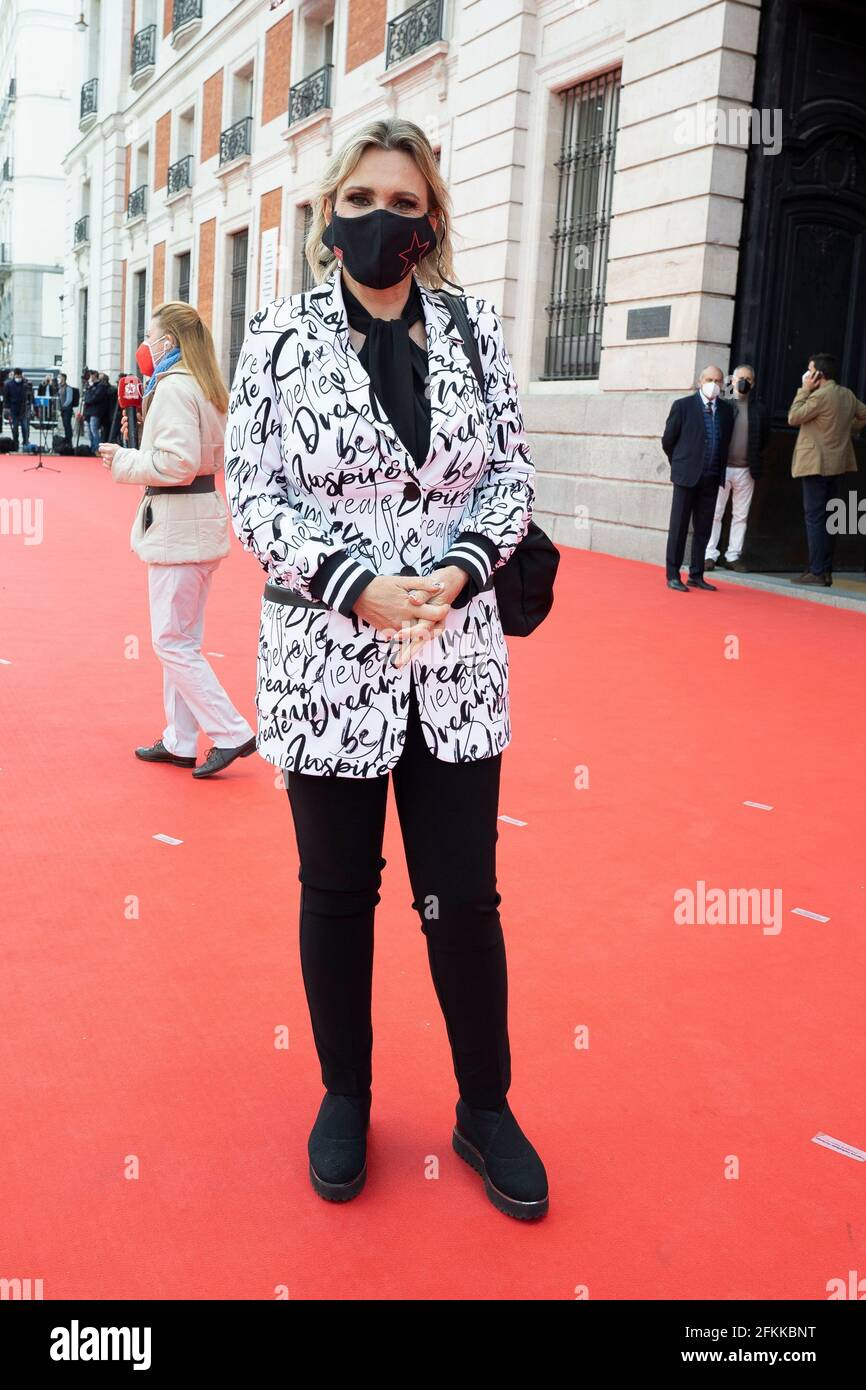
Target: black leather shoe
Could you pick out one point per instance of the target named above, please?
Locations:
(492, 1142)
(809, 578)
(218, 758)
(337, 1147)
(158, 753)
(710, 564)
(677, 584)
(702, 584)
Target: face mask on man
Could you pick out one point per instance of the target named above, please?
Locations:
(145, 358)
(710, 389)
(380, 248)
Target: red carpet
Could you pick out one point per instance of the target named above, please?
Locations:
(150, 1041)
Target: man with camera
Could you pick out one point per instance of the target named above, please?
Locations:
(827, 414)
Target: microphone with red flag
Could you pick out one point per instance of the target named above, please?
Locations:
(129, 399)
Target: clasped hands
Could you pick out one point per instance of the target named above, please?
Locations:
(409, 610)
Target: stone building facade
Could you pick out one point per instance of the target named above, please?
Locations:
(603, 226)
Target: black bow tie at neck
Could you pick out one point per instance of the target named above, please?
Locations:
(362, 320)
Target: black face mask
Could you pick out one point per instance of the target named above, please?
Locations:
(744, 385)
(380, 248)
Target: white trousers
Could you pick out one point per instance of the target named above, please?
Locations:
(194, 698)
(740, 483)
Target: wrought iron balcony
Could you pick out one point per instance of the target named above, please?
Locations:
(183, 13)
(89, 98)
(82, 231)
(6, 172)
(237, 140)
(136, 203)
(179, 176)
(311, 94)
(144, 51)
(413, 30)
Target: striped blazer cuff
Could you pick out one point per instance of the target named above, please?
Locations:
(339, 580)
(474, 554)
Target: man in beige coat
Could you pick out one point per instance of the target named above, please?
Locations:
(828, 415)
(181, 530)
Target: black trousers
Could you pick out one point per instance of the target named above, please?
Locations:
(698, 505)
(448, 819)
(818, 491)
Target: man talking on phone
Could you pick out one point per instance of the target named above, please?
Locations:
(828, 415)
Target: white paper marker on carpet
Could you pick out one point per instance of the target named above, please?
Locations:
(758, 805)
(815, 916)
(509, 820)
(215, 653)
(840, 1147)
(4, 662)
(168, 839)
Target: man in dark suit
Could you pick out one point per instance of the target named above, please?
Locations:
(696, 439)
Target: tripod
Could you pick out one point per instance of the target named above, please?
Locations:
(42, 403)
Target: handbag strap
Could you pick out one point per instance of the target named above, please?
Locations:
(457, 305)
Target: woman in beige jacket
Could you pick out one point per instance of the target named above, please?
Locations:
(181, 530)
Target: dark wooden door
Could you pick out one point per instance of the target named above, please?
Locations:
(802, 274)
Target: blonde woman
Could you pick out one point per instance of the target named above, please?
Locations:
(181, 530)
(380, 490)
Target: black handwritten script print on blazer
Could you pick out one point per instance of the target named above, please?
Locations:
(320, 484)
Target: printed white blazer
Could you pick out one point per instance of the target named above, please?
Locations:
(322, 490)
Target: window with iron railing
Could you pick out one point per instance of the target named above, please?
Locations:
(184, 263)
(136, 204)
(82, 231)
(412, 30)
(89, 93)
(236, 141)
(82, 325)
(144, 50)
(180, 175)
(582, 228)
(311, 94)
(184, 12)
(6, 172)
(140, 304)
(238, 309)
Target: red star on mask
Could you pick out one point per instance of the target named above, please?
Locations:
(414, 252)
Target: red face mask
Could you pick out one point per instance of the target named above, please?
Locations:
(144, 358)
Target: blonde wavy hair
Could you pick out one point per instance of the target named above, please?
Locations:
(437, 266)
(197, 351)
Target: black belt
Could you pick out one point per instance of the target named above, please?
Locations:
(277, 593)
(205, 482)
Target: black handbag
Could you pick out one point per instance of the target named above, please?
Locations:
(524, 584)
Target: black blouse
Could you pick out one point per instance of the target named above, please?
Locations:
(397, 368)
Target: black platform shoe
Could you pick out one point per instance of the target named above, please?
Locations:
(337, 1147)
(493, 1143)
